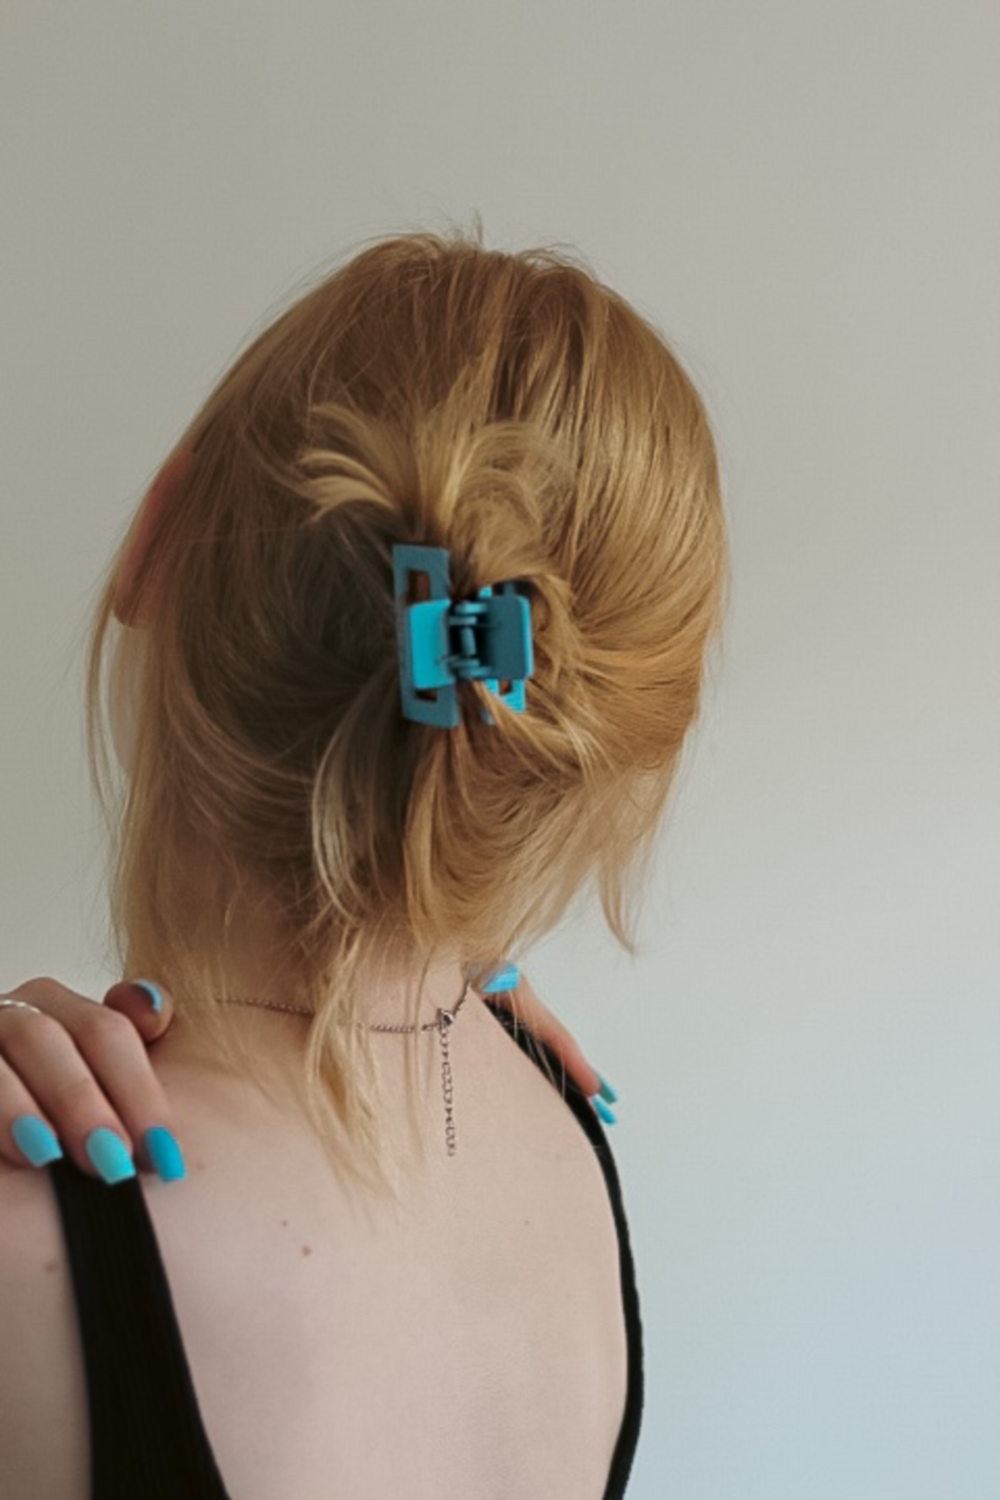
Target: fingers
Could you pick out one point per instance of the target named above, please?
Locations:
(77, 1077)
(550, 1030)
(146, 1004)
(52, 1102)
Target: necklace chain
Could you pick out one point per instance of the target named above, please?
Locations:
(442, 1025)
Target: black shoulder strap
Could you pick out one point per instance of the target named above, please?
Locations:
(578, 1102)
(146, 1433)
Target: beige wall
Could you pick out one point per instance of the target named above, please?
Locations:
(805, 196)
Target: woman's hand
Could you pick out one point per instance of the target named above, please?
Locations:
(525, 1004)
(76, 1078)
(75, 1075)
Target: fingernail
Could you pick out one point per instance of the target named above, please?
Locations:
(109, 1155)
(153, 993)
(507, 978)
(607, 1092)
(34, 1138)
(607, 1115)
(165, 1154)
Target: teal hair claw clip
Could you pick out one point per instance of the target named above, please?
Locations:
(443, 642)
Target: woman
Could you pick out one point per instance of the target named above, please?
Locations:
(400, 651)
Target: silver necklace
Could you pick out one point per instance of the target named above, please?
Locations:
(442, 1024)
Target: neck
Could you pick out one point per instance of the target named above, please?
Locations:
(250, 954)
(396, 997)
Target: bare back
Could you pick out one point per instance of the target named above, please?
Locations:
(471, 1341)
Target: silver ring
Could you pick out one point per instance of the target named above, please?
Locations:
(20, 1005)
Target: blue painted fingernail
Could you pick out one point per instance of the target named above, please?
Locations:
(109, 1155)
(607, 1115)
(153, 993)
(607, 1092)
(165, 1154)
(34, 1138)
(507, 978)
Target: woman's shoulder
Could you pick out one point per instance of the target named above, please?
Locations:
(43, 1435)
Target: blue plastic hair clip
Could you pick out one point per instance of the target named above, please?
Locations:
(441, 642)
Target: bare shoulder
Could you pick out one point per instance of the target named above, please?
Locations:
(43, 1434)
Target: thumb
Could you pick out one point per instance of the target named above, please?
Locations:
(147, 1005)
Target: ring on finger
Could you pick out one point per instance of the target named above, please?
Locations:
(20, 1005)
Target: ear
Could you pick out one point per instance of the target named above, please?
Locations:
(133, 573)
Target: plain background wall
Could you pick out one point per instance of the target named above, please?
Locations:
(804, 196)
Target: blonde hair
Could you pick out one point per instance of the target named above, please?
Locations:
(515, 411)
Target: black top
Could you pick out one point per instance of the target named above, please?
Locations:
(147, 1438)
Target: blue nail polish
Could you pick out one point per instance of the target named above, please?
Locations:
(609, 1094)
(153, 993)
(165, 1154)
(34, 1138)
(607, 1115)
(507, 978)
(109, 1155)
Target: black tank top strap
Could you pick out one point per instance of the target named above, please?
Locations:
(147, 1440)
(577, 1101)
